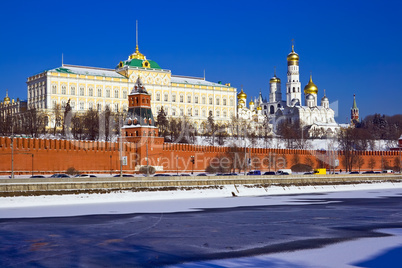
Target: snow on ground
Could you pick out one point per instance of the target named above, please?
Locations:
(180, 200)
(345, 254)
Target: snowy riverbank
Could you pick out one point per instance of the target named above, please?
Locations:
(150, 202)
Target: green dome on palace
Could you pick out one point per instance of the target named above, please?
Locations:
(137, 59)
(139, 63)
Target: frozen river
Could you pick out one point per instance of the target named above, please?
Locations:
(262, 231)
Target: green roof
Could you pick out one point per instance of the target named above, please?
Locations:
(138, 63)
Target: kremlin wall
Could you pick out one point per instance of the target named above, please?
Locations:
(44, 156)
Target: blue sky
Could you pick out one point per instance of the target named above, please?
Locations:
(351, 47)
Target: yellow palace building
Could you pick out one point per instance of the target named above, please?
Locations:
(96, 88)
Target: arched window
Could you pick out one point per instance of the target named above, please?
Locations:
(165, 97)
(271, 109)
(90, 91)
(54, 89)
(158, 96)
(99, 92)
(108, 93)
(189, 98)
(217, 101)
(116, 93)
(72, 90)
(294, 89)
(63, 89)
(82, 91)
(196, 99)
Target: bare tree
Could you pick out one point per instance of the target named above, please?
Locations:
(57, 117)
(371, 163)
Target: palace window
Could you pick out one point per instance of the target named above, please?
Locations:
(189, 98)
(181, 98)
(165, 97)
(203, 113)
(224, 101)
(203, 100)
(99, 92)
(217, 114)
(210, 100)
(107, 93)
(158, 96)
(116, 107)
(125, 94)
(196, 99)
(82, 91)
(90, 91)
(116, 93)
(72, 90)
(54, 89)
(173, 111)
(173, 97)
(181, 111)
(224, 114)
(231, 102)
(99, 106)
(90, 105)
(196, 112)
(72, 105)
(63, 89)
(189, 113)
(82, 106)
(217, 101)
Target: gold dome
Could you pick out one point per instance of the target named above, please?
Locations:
(137, 55)
(242, 95)
(274, 80)
(259, 108)
(293, 57)
(6, 98)
(310, 88)
(242, 101)
(251, 103)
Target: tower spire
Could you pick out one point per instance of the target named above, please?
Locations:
(293, 45)
(274, 70)
(136, 36)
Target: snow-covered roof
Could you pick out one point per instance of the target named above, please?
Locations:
(84, 70)
(194, 81)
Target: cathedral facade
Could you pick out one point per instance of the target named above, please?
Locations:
(316, 115)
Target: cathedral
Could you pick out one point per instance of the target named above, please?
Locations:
(317, 116)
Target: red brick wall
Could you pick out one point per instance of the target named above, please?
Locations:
(57, 155)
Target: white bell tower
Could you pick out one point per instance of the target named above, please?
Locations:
(293, 86)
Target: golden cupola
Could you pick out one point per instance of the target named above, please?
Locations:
(7, 99)
(274, 80)
(259, 108)
(293, 57)
(251, 103)
(310, 88)
(242, 95)
(137, 55)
